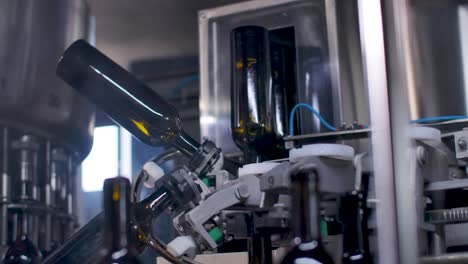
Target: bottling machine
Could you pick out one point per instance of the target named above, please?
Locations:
(46, 128)
(334, 132)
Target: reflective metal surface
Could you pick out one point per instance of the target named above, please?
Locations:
(32, 98)
(313, 58)
(46, 128)
(436, 49)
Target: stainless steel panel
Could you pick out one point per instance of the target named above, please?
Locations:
(332, 26)
(33, 99)
(436, 48)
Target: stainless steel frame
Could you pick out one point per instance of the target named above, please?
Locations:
(367, 74)
(393, 76)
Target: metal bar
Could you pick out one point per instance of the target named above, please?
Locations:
(447, 185)
(293, 141)
(453, 258)
(48, 199)
(227, 10)
(5, 188)
(373, 52)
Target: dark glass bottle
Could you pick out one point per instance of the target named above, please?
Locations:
(252, 120)
(305, 219)
(126, 100)
(22, 250)
(353, 220)
(119, 242)
(84, 246)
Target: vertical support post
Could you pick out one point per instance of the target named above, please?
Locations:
(48, 198)
(5, 188)
(375, 72)
(462, 22)
(403, 104)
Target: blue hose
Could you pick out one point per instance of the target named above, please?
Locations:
(437, 119)
(315, 112)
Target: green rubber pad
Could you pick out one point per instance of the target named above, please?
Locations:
(324, 228)
(209, 182)
(216, 235)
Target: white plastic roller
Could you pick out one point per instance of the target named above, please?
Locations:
(154, 173)
(182, 245)
(257, 168)
(337, 151)
(425, 134)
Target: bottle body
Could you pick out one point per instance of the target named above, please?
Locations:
(128, 101)
(252, 118)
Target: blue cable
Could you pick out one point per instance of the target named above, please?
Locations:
(332, 128)
(315, 112)
(182, 84)
(437, 119)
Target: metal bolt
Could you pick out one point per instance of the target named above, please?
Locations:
(462, 144)
(242, 192)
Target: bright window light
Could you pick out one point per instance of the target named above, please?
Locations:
(103, 160)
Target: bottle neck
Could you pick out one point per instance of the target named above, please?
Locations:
(354, 223)
(306, 206)
(117, 217)
(350, 218)
(185, 144)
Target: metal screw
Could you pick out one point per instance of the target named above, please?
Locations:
(462, 144)
(228, 238)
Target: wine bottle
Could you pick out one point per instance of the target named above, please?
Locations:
(22, 251)
(352, 213)
(128, 101)
(305, 219)
(119, 242)
(252, 121)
